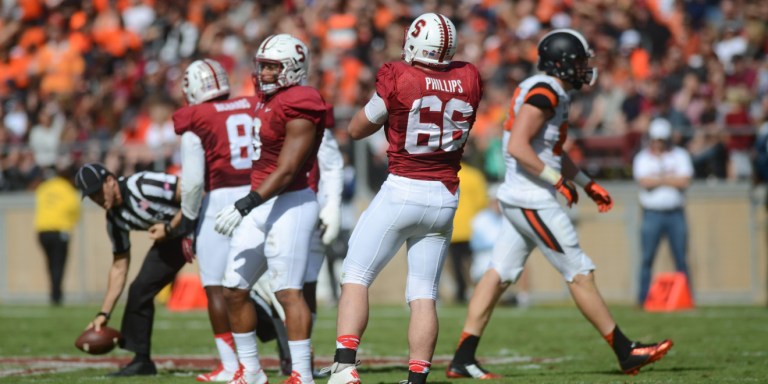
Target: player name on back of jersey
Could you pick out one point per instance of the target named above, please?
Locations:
(232, 105)
(450, 86)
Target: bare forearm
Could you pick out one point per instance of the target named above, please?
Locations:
(527, 158)
(118, 274)
(275, 183)
(678, 182)
(570, 169)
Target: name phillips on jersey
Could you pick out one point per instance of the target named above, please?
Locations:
(450, 86)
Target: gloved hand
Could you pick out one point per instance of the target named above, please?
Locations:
(599, 195)
(227, 220)
(567, 189)
(188, 247)
(330, 219)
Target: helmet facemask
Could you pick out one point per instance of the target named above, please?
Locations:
(565, 54)
(290, 54)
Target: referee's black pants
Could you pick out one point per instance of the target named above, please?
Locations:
(160, 266)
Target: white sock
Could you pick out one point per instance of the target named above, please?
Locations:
(225, 343)
(247, 350)
(300, 358)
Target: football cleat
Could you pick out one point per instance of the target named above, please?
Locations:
(217, 375)
(644, 354)
(343, 373)
(245, 377)
(296, 379)
(469, 371)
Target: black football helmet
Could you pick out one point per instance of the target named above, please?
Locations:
(564, 53)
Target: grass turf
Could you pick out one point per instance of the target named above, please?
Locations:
(546, 344)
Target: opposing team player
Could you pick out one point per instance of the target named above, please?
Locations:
(538, 169)
(427, 104)
(275, 233)
(216, 155)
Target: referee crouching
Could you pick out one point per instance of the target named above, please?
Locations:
(145, 201)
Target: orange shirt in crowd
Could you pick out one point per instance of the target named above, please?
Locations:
(31, 9)
(32, 36)
(341, 31)
(19, 66)
(640, 62)
(60, 66)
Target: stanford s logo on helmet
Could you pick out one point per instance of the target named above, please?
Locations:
(204, 80)
(290, 53)
(564, 53)
(430, 40)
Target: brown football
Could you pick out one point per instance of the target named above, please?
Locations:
(98, 343)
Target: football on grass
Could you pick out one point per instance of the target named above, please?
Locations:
(98, 343)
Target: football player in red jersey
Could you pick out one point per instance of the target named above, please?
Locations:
(216, 150)
(275, 233)
(427, 104)
(537, 170)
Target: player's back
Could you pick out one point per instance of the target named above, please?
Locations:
(225, 129)
(430, 116)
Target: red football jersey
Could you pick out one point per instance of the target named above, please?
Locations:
(297, 102)
(314, 174)
(226, 131)
(430, 116)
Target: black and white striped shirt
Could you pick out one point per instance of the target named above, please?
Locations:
(148, 198)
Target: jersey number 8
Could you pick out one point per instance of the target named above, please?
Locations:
(244, 143)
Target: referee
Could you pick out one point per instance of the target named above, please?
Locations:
(145, 201)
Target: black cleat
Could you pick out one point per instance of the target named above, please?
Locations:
(136, 368)
(644, 354)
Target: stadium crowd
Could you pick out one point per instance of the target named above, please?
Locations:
(84, 81)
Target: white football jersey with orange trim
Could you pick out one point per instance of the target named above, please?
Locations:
(520, 188)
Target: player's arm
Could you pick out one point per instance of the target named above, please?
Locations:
(298, 144)
(331, 165)
(539, 107)
(118, 274)
(528, 121)
(299, 139)
(369, 119)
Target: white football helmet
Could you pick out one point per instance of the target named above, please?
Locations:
(288, 51)
(204, 80)
(431, 40)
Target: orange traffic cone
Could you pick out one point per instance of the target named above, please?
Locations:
(669, 292)
(187, 294)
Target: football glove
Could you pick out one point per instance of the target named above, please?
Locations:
(567, 189)
(330, 219)
(599, 195)
(227, 220)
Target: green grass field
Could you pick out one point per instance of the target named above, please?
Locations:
(547, 344)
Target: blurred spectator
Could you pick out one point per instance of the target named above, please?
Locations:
(45, 137)
(57, 210)
(101, 61)
(472, 199)
(663, 172)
